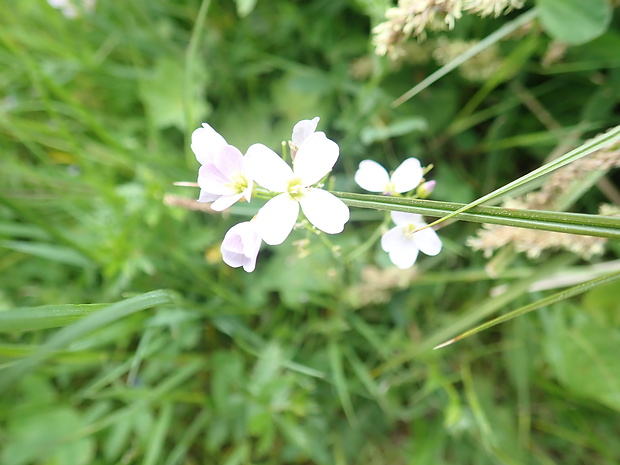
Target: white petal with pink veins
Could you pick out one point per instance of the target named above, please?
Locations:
(241, 245)
(229, 161)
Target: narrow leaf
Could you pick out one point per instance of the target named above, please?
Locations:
(571, 223)
(498, 35)
(602, 140)
(86, 325)
(558, 297)
(47, 316)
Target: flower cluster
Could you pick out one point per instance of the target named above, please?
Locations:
(227, 176)
(407, 238)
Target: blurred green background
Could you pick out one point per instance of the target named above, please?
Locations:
(125, 339)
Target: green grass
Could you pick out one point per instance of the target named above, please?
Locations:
(124, 338)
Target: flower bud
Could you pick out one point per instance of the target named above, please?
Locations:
(424, 190)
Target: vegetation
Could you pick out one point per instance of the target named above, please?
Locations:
(125, 339)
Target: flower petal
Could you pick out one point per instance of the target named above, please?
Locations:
(229, 161)
(225, 201)
(401, 218)
(241, 245)
(275, 220)
(207, 196)
(407, 176)
(316, 156)
(404, 259)
(303, 129)
(371, 176)
(401, 249)
(324, 210)
(267, 168)
(427, 241)
(211, 180)
(251, 240)
(206, 142)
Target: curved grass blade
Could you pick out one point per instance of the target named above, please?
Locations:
(498, 35)
(609, 137)
(557, 297)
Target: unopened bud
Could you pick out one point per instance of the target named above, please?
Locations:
(426, 189)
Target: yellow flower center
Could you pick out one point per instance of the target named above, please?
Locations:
(238, 183)
(296, 189)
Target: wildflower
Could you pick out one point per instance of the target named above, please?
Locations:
(373, 177)
(403, 245)
(223, 177)
(315, 157)
(241, 245)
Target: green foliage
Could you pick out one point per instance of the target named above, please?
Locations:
(124, 339)
(573, 21)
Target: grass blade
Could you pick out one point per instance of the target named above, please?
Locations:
(557, 297)
(609, 137)
(86, 325)
(571, 223)
(44, 317)
(498, 35)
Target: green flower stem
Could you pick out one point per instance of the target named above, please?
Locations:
(571, 223)
(370, 241)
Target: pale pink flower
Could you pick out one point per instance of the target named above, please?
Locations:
(316, 156)
(223, 177)
(241, 245)
(373, 177)
(403, 245)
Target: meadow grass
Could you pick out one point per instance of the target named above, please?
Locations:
(125, 339)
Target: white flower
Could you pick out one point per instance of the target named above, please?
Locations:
(403, 245)
(373, 177)
(241, 245)
(316, 155)
(223, 177)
